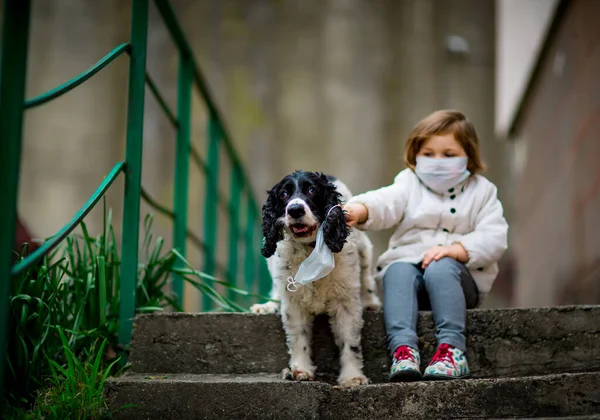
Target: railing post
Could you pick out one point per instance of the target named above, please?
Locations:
(234, 228)
(264, 277)
(133, 170)
(182, 165)
(13, 71)
(249, 258)
(211, 202)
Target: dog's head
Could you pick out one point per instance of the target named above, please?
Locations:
(298, 205)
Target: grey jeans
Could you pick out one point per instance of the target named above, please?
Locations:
(445, 287)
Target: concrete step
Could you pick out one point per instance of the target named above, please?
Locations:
(266, 396)
(584, 417)
(501, 343)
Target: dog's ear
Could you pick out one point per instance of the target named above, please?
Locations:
(271, 230)
(336, 230)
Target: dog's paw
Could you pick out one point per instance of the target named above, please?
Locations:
(265, 308)
(353, 382)
(297, 375)
(371, 303)
(372, 308)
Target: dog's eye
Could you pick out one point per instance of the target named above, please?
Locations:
(283, 195)
(312, 190)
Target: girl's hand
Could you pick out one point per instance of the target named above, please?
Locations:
(455, 251)
(355, 214)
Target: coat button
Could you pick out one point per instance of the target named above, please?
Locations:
(378, 268)
(446, 230)
(452, 210)
(480, 269)
(451, 190)
(452, 197)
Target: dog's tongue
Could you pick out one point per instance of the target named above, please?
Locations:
(300, 229)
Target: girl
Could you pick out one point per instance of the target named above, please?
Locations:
(443, 256)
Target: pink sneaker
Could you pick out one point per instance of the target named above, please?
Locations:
(448, 363)
(406, 365)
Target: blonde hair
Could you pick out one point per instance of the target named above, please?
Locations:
(446, 121)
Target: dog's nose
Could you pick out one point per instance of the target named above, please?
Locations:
(296, 211)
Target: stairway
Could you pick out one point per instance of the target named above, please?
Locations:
(526, 363)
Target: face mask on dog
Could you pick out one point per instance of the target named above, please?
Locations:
(317, 265)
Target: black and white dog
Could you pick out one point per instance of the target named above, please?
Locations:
(295, 209)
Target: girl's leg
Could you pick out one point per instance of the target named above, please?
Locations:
(401, 284)
(450, 287)
(451, 290)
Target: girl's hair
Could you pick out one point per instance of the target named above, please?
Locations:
(441, 122)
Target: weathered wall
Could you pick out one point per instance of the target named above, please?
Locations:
(333, 86)
(71, 143)
(336, 86)
(521, 28)
(557, 197)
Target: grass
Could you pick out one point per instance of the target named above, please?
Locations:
(75, 390)
(64, 319)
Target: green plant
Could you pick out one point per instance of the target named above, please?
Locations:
(33, 309)
(76, 290)
(75, 390)
(205, 284)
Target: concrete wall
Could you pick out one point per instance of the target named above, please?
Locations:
(336, 86)
(557, 171)
(71, 143)
(333, 86)
(521, 28)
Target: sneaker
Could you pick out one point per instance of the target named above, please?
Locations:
(448, 363)
(406, 365)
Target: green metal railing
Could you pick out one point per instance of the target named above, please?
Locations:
(13, 66)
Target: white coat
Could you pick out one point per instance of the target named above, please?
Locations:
(469, 214)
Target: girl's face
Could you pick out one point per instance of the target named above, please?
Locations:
(442, 146)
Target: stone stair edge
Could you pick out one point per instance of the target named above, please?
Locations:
(547, 340)
(560, 308)
(264, 377)
(545, 396)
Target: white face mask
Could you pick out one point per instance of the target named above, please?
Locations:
(441, 174)
(317, 265)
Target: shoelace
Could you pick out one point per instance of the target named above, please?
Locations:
(404, 353)
(443, 355)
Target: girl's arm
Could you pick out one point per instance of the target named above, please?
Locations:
(384, 207)
(488, 241)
